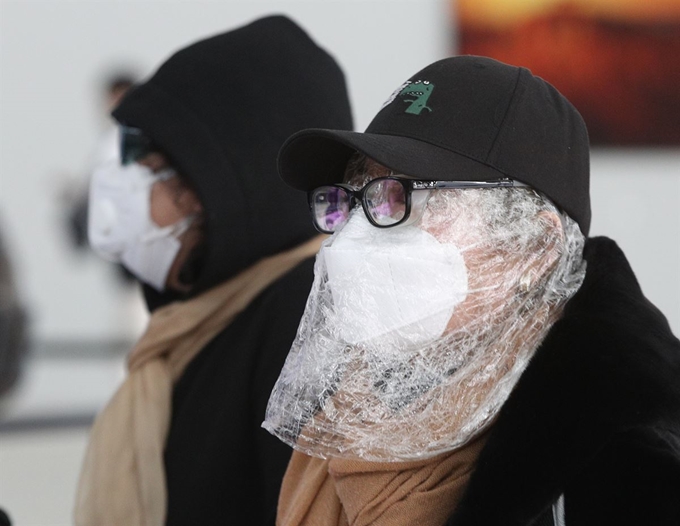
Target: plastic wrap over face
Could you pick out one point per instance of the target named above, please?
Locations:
(414, 336)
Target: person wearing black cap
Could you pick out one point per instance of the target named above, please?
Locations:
(224, 251)
(468, 355)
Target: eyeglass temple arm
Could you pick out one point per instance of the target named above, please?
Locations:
(499, 183)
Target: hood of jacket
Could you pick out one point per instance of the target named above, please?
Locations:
(220, 109)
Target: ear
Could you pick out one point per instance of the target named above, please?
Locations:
(549, 252)
(196, 207)
(553, 224)
(555, 234)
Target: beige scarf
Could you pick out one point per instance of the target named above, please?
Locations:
(340, 492)
(122, 481)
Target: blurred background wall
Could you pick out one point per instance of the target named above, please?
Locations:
(54, 57)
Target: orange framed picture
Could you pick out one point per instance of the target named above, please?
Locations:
(617, 61)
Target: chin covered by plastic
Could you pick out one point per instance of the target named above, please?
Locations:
(414, 336)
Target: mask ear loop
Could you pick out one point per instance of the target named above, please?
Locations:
(175, 230)
(165, 174)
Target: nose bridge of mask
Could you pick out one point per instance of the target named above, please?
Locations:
(398, 283)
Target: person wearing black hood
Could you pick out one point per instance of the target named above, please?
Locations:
(224, 250)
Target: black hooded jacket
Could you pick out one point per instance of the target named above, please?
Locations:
(220, 110)
(594, 421)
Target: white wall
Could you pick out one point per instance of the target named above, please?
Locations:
(636, 201)
(52, 54)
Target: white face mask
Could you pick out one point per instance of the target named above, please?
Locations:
(120, 227)
(396, 286)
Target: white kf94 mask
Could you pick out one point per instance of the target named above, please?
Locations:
(398, 285)
(120, 228)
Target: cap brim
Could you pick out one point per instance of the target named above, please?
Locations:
(314, 157)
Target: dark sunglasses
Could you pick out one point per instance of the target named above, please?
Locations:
(387, 201)
(134, 144)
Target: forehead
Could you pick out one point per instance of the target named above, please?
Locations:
(360, 169)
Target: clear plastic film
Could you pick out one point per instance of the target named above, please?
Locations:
(414, 336)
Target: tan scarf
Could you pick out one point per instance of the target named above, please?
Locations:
(340, 492)
(122, 480)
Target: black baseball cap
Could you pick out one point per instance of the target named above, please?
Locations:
(462, 118)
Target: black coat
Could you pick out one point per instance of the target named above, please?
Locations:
(595, 417)
(222, 467)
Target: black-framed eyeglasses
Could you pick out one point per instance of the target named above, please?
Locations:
(387, 201)
(134, 144)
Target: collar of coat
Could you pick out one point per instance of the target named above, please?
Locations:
(608, 365)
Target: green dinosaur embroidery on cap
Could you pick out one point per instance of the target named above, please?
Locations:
(421, 90)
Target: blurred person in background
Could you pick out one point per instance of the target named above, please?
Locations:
(14, 337)
(468, 354)
(14, 331)
(225, 251)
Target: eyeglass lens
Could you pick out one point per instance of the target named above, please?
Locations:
(133, 144)
(384, 202)
(331, 206)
